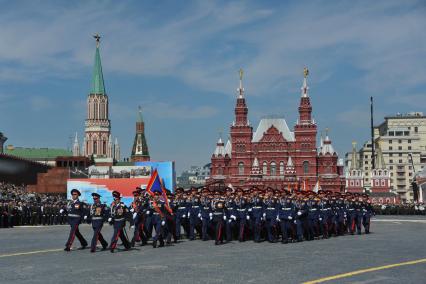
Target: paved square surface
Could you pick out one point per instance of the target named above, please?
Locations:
(35, 255)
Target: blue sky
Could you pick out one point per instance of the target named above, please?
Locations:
(180, 63)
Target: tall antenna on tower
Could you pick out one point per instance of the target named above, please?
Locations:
(373, 153)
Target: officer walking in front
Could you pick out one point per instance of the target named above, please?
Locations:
(97, 217)
(74, 210)
(118, 219)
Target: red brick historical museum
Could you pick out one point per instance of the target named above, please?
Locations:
(274, 156)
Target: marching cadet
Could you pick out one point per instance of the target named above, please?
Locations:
(118, 218)
(359, 214)
(194, 214)
(74, 210)
(205, 214)
(285, 217)
(182, 211)
(138, 218)
(218, 216)
(241, 214)
(270, 216)
(300, 217)
(256, 209)
(231, 214)
(97, 217)
(367, 213)
(158, 219)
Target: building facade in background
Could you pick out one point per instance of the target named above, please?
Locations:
(275, 156)
(402, 141)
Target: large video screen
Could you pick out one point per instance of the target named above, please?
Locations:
(166, 171)
(105, 187)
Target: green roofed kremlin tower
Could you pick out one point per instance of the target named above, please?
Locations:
(97, 139)
(140, 151)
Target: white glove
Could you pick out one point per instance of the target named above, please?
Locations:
(132, 210)
(295, 222)
(290, 218)
(201, 218)
(199, 215)
(135, 215)
(278, 219)
(163, 223)
(264, 215)
(248, 217)
(61, 211)
(85, 217)
(147, 212)
(230, 220)
(320, 219)
(299, 213)
(210, 215)
(132, 226)
(249, 210)
(184, 216)
(224, 218)
(233, 217)
(189, 214)
(109, 219)
(211, 218)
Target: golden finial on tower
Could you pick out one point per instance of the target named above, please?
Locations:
(354, 144)
(97, 37)
(305, 72)
(241, 73)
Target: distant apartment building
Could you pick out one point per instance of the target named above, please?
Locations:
(402, 140)
(194, 176)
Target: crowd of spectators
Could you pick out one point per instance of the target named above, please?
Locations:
(19, 207)
(400, 209)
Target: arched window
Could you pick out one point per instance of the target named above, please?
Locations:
(383, 182)
(104, 148)
(305, 167)
(95, 147)
(265, 168)
(220, 171)
(282, 168)
(240, 168)
(273, 169)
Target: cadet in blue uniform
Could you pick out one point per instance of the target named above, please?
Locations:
(218, 217)
(206, 210)
(158, 219)
(270, 216)
(97, 218)
(286, 215)
(118, 219)
(257, 213)
(75, 211)
(194, 214)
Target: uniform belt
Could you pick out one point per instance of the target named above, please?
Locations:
(195, 206)
(97, 218)
(181, 207)
(206, 208)
(286, 209)
(270, 208)
(241, 209)
(120, 219)
(313, 209)
(257, 207)
(156, 213)
(217, 213)
(74, 215)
